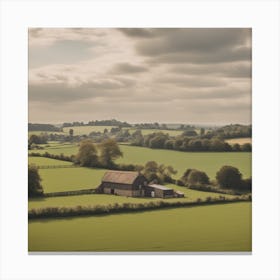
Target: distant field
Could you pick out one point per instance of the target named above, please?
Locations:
(239, 141)
(209, 162)
(150, 131)
(201, 229)
(81, 130)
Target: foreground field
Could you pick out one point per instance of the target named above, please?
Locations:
(209, 162)
(204, 228)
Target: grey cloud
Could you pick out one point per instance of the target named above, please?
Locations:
(234, 70)
(224, 55)
(124, 68)
(193, 39)
(189, 82)
(138, 32)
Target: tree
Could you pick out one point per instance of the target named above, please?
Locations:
(197, 177)
(34, 182)
(87, 155)
(109, 151)
(71, 132)
(229, 177)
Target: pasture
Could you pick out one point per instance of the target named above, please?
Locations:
(150, 131)
(210, 162)
(47, 161)
(70, 179)
(209, 228)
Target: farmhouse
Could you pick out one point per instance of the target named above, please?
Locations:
(131, 183)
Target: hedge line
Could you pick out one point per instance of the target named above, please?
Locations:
(56, 212)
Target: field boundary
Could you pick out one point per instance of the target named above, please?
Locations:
(68, 193)
(94, 210)
(57, 166)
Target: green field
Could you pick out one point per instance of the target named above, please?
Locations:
(38, 132)
(210, 162)
(70, 179)
(200, 229)
(150, 131)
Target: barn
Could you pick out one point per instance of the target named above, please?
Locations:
(131, 183)
(126, 183)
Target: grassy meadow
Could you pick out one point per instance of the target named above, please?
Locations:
(210, 162)
(200, 229)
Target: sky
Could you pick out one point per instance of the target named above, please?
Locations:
(165, 75)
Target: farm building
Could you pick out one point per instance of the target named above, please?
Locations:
(126, 183)
(130, 183)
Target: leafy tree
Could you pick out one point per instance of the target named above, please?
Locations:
(109, 151)
(247, 147)
(34, 182)
(87, 155)
(158, 173)
(197, 177)
(194, 177)
(36, 139)
(229, 177)
(71, 132)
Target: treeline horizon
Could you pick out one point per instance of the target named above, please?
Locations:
(113, 122)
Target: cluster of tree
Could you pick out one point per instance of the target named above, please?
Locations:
(102, 155)
(150, 126)
(160, 140)
(230, 131)
(37, 139)
(112, 122)
(34, 182)
(228, 177)
(158, 173)
(42, 127)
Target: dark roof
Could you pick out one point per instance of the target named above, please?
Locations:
(160, 187)
(121, 177)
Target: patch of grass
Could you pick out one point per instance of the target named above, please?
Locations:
(150, 131)
(205, 228)
(70, 179)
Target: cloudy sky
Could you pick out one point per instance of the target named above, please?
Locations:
(189, 75)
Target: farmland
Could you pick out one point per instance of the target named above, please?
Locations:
(210, 162)
(239, 140)
(103, 199)
(85, 130)
(205, 228)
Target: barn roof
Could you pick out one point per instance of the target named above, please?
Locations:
(160, 187)
(121, 177)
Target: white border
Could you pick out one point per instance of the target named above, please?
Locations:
(262, 16)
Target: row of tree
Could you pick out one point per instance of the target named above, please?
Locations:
(160, 140)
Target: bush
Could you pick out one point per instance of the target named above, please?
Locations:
(34, 182)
